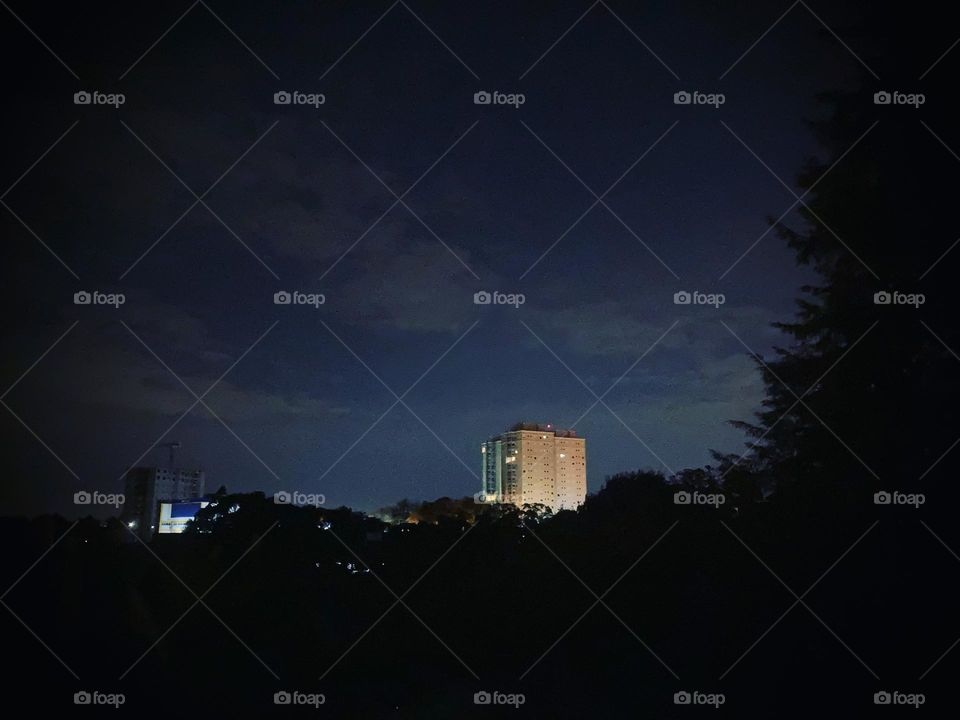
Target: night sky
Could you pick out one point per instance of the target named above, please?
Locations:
(296, 189)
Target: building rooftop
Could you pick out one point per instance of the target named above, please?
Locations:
(543, 427)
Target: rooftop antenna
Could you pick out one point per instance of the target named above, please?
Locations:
(172, 447)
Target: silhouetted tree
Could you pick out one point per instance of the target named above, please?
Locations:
(866, 395)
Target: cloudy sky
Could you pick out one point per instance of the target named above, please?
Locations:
(199, 198)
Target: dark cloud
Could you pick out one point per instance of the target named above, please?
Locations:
(300, 205)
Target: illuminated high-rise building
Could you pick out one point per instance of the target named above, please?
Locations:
(534, 463)
(147, 487)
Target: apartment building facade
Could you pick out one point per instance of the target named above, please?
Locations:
(535, 464)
